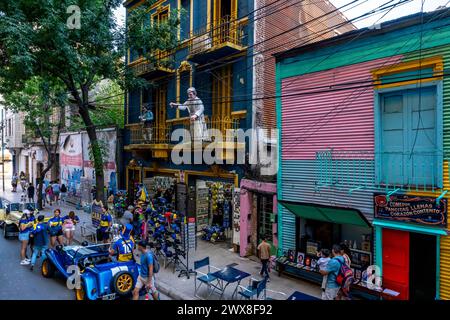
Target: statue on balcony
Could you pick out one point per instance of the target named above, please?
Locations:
(199, 131)
(147, 123)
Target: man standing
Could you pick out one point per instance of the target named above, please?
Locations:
(332, 270)
(264, 255)
(30, 192)
(127, 217)
(39, 234)
(104, 228)
(146, 277)
(122, 249)
(147, 123)
(196, 112)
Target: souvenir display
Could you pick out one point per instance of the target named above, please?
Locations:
(300, 258)
(312, 247)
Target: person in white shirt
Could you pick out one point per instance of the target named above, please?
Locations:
(324, 258)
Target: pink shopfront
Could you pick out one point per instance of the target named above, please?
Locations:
(258, 216)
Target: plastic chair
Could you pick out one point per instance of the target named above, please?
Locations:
(205, 278)
(254, 289)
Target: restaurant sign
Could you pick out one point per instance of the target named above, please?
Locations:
(406, 208)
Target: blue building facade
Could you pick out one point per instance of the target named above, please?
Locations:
(214, 56)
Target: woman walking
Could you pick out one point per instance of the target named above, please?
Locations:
(69, 224)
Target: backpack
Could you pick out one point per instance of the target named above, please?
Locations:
(345, 276)
(156, 265)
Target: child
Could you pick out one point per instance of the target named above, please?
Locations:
(324, 255)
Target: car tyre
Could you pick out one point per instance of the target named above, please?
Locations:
(123, 283)
(48, 269)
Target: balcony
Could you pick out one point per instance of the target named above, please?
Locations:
(223, 140)
(158, 143)
(161, 66)
(223, 39)
(385, 171)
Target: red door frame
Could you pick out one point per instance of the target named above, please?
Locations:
(396, 262)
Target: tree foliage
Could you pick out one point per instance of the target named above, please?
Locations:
(37, 41)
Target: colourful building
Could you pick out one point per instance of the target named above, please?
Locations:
(225, 52)
(364, 139)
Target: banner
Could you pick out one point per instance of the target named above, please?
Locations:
(421, 210)
(71, 162)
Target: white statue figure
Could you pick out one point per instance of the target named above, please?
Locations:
(196, 109)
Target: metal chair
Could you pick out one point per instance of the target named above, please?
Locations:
(88, 233)
(254, 289)
(205, 278)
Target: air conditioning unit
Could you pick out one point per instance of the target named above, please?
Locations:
(201, 43)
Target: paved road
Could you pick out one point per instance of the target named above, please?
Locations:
(19, 283)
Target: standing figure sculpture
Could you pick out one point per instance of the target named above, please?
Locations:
(199, 131)
(147, 123)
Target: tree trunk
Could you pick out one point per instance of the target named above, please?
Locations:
(98, 161)
(41, 183)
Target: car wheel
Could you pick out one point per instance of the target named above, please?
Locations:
(48, 269)
(123, 283)
(80, 294)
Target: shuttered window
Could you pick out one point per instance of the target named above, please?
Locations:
(409, 152)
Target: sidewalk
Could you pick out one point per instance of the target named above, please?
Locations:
(220, 256)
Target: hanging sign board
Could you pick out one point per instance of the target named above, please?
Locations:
(406, 208)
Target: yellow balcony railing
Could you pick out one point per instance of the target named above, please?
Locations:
(159, 134)
(162, 61)
(226, 30)
(224, 126)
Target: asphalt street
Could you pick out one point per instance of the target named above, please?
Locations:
(19, 283)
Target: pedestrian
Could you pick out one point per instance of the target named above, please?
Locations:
(146, 272)
(25, 227)
(14, 180)
(55, 228)
(122, 249)
(264, 255)
(69, 223)
(23, 180)
(30, 192)
(324, 258)
(127, 217)
(346, 253)
(104, 229)
(39, 235)
(56, 188)
(332, 271)
(63, 193)
(49, 194)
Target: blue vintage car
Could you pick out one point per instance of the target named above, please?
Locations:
(100, 278)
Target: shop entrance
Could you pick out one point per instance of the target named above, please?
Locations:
(409, 264)
(422, 267)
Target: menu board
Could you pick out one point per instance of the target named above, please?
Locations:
(236, 216)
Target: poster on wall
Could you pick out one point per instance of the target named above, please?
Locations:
(108, 140)
(71, 162)
(414, 209)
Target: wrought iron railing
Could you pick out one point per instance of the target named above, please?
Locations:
(159, 135)
(225, 30)
(358, 170)
(218, 129)
(161, 60)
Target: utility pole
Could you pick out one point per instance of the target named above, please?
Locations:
(3, 150)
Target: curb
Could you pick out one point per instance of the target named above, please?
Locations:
(165, 289)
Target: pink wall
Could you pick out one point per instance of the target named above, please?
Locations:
(343, 120)
(246, 200)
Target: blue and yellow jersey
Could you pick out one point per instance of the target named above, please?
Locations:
(105, 220)
(55, 223)
(124, 249)
(27, 223)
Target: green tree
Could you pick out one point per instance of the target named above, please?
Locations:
(43, 106)
(40, 38)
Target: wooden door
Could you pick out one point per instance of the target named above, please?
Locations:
(396, 262)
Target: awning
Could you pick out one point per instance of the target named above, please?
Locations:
(327, 214)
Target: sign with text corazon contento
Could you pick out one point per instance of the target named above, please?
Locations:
(406, 208)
